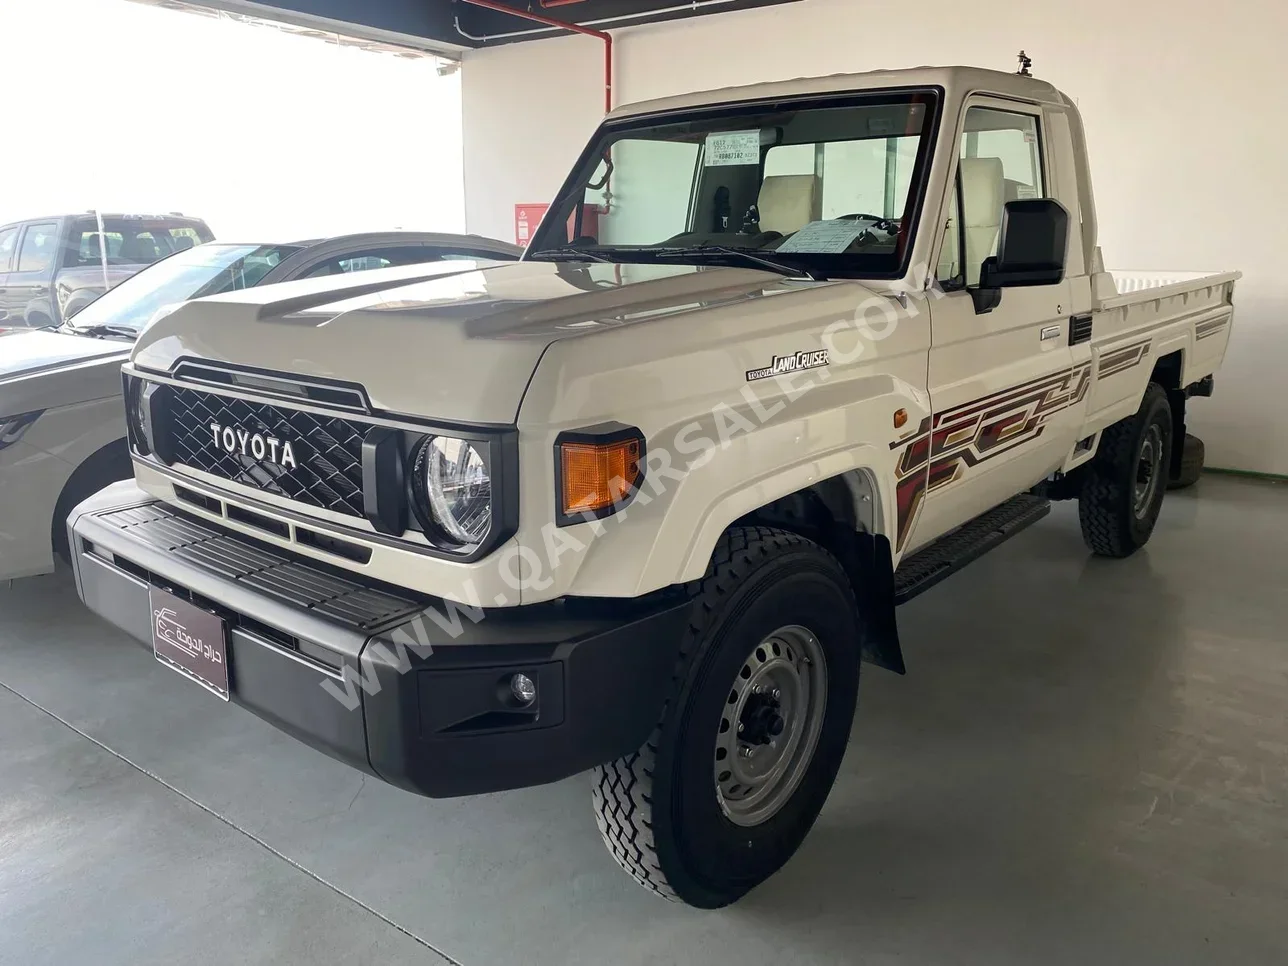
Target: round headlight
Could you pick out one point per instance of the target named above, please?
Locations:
(457, 487)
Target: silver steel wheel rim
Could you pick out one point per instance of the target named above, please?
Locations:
(1147, 470)
(785, 678)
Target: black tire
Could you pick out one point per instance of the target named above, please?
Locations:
(1192, 456)
(1113, 524)
(659, 810)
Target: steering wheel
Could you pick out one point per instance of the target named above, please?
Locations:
(888, 225)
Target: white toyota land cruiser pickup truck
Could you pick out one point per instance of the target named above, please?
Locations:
(779, 359)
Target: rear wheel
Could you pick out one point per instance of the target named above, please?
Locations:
(1123, 489)
(1192, 457)
(753, 731)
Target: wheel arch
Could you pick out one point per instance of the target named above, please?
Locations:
(108, 464)
(1169, 373)
(843, 514)
(78, 300)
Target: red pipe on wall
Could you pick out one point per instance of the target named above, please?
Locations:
(576, 28)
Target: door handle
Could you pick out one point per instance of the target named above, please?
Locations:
(1052, 332)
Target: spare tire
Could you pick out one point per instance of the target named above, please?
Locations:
(1191, 464)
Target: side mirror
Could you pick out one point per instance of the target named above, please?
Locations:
(1031, 249)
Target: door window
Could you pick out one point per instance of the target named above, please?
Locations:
(368, 260)
(38, 246)
(8, 239)
(478, 256)
(397, 256)
(1001, 161)
(363, 263)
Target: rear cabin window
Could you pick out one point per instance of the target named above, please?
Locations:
(127, 242)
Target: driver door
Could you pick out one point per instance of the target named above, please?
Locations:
(1003, 385)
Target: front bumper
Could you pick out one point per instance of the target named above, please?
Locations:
(407, 688)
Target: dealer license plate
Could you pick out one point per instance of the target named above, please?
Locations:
(189, 640)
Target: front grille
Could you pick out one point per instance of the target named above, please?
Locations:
(327, 450)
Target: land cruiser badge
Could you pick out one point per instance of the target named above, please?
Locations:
(234, 440)
(796, 362)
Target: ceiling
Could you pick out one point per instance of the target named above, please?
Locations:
(447, 27)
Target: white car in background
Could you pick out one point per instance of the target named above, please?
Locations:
(62, 420)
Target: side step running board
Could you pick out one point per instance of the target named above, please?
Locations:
(953, 551)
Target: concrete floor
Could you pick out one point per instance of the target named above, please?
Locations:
(1087, 763)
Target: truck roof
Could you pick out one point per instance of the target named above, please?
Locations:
(174, 216)
(969, 79)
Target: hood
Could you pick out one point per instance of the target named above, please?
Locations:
(460, 348)
(43, 370)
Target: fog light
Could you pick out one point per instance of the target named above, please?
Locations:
(523, 688)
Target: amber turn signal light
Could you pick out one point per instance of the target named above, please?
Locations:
(596, 476)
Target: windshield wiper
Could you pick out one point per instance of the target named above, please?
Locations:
(782, 268)
(568, 254)
(104, 330)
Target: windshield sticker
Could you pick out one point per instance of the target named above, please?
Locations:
(733, 147)
(825, 237)
(796, 362)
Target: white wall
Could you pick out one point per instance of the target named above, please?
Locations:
(266, 135)
(1183, 104)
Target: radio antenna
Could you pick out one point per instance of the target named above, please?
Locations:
(1025, 63)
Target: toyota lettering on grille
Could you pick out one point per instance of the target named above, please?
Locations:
(235, 440)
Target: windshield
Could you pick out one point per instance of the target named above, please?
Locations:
(826, 187)
(204, 270)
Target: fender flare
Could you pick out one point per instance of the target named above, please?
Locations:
(749, 498)
(852, 500)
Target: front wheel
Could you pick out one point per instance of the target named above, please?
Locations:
(1126, 480)
(753, 731)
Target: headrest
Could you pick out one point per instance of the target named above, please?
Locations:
(983, 191)
(786, 202)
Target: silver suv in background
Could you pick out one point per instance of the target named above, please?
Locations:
(51, 268)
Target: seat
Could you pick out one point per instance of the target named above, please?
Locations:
(983, 196)
(139, 250)
(786, 202)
